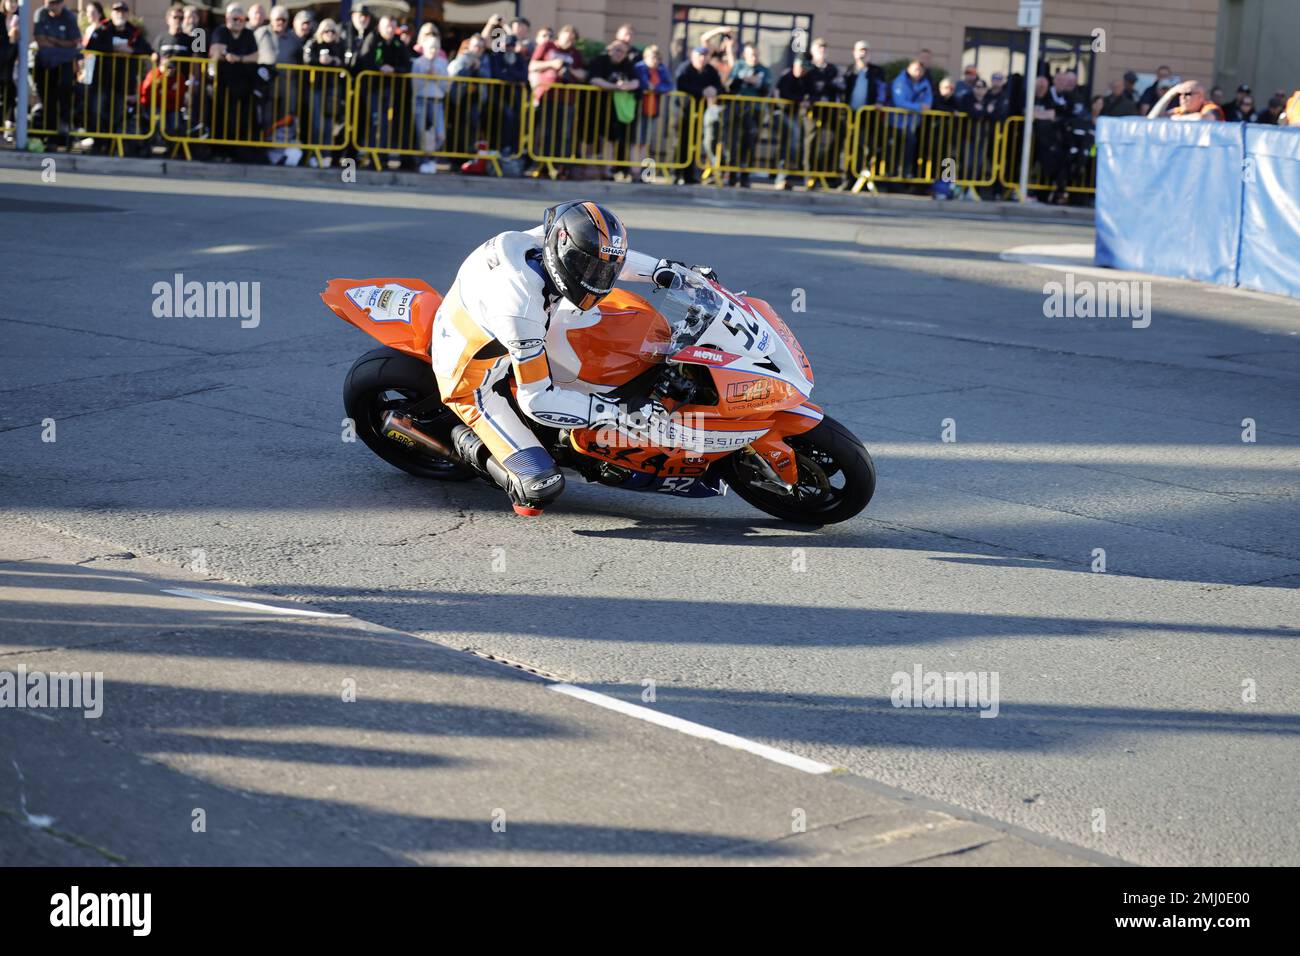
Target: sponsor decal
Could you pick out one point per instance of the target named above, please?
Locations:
(750, 390)
(705, 356)
(389, 303)
(614, 247)
(763, 341)
(523, 345)
(398, 437)
(556, 418)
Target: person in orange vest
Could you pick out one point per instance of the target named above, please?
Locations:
(1293, 110)
(1193, 104)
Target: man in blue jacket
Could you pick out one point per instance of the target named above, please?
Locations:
(911, 91)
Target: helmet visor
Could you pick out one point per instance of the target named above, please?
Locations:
(591, 272)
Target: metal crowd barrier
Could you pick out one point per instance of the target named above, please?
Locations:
(191, 101)
(420, 114)
(1078, 172)
(285, 106)
(97, 96)
(894, 145)
(582, 125)
(776, 137)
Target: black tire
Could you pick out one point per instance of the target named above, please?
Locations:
(385, 380)
(824, 454)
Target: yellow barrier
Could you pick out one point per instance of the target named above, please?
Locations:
(895, 145)
(302, 107)
(1077, 173)
(752, 134)
(98, 96)
(581, 125)
(420, 114)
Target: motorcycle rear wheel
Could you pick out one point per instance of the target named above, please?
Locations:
(386, 380)
(836, 478)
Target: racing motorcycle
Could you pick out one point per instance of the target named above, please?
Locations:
(724, 365)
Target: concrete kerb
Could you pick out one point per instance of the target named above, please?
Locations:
(546, 189)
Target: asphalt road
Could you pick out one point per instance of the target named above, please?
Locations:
(1122, 724)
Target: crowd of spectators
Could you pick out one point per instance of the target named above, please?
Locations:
(256, 100)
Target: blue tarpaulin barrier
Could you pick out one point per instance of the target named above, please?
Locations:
(1270, 211)
(1218, 202)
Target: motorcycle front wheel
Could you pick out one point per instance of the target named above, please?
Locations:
(836, 478)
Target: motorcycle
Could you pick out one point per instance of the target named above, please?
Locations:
(724, 365)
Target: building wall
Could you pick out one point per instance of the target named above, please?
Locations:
(1139, 34)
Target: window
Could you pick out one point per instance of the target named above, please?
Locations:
(1005, 51)
(775, 34)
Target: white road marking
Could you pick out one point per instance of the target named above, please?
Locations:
(252, 605)
(692, 728)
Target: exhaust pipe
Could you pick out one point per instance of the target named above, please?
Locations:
(399, 428)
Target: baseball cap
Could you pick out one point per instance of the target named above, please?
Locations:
(1130, 77)
(703, 50)
(1244, 88)
(119, 5)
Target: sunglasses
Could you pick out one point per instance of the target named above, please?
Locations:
(236, 19)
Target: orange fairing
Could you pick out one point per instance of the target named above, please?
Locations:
(628, 339)
(397, 312)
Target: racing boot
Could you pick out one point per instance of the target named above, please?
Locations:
(471, 448)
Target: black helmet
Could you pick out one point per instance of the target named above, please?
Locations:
(583, 248)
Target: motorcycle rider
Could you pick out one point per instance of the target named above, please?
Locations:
(493, 321)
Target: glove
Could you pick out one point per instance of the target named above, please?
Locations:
(667, 274)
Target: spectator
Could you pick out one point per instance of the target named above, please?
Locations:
(58, 42)
(1164, 80)
(1290, 115)
(1232, 112)
(94, 18)
(965, 91)
(1246, 110)
(174, 42)
(947, 101)
(656, 83)
(865, 83)
(256, 17)
(1272, 115)
(504, 105)
(276, 43)
(925, 56)
(115, 80)
(792, 87)
(1193, 104)
(389, 101)
(625, 34)
(325, 48)
(167, 80)
(1122, 99)
(614, 72)
(985, 111)
(464, 100)
(554, 61)
(1096, 105)
(749, 79)
(911, 91)
(1000, 94)
(430, 121)
(699, 80)
(234, 51)
(519, 28)
(8, 59)
(191, 26)
(1217, 94)
(826, 128)
(354, 35)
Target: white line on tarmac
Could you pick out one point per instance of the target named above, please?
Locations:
(692, 728)
(252, 605)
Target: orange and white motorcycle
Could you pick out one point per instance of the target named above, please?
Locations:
(725, 365)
